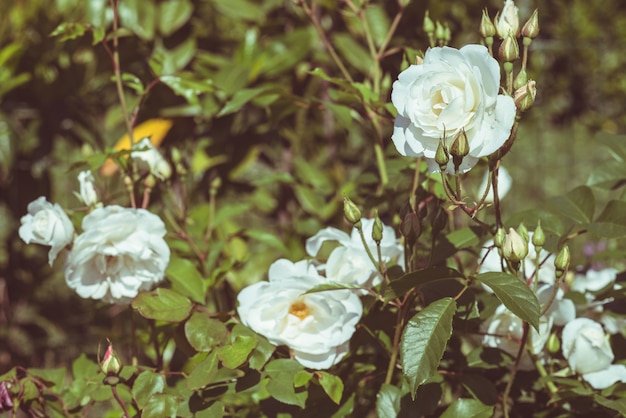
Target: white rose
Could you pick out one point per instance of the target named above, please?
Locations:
(144, 151)
(352, 266)
(604, 378)
(317, 327)
(120, 253)
(586, 347)
(450, 91)
(390, 246)
(594, 281)
(88, 194)
(46, 224)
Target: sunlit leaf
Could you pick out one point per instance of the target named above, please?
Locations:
(578, 204)
(332, 385)
(388, 401)
(514, 294)
(468, 408)
(146, 385)
(173, 14)
(424, 341)
(186, 279)
(163, 305)
(161, 406)
(204, 333)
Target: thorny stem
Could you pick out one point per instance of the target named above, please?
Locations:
(118, 74)
(119, 401)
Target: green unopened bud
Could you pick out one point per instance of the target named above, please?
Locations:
(498, 239)
(377, 229)
(524, 97)
(215, 185)
(562, 261)
(509, 49)
(111, 364)
(351, 211)
(459, 148)
(447, 34)
(177, 157)
(441, 156)
(539, 238)
(553, 345)
(486, 29)
(428, 25)
(440, 32)
(523, 231)
(531, 27)
(521, 79)
(515, 247)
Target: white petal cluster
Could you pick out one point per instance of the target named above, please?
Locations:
(452, 90)
(317, 327)
(349, 263)
(144, 152)
(46, 224)
(88, 194)
(120, 252)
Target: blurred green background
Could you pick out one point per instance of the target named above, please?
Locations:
(282, 150)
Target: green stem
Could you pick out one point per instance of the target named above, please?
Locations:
(509, 385)
(120, 402)
(118, 74)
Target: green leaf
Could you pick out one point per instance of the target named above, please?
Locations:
(132, 81)
(138, 16)
(161, 406)
(163, 305)
(69, 30)
(618, 405)
(612, 221)
(615, 143)
(353, 52)
(54, 377)
(481, 388)
(203, 372)
(173, 14)
(378, 22)
(146, 386)
(610, 175)
(186, 87)
(468, 408)
(578, 204)
(204, 333)
(267, 238)
(424, 341)
(415, 279)
(332, 385)
(514, 294)
(235, 354)
(186, 279)
(83, 368)
(388, 401)
(241, 98)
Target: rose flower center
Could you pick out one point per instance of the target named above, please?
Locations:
(299, 309)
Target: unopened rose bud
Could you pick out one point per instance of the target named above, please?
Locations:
(514, 248)
(459, 148)
(498, 239)
(377, 229)
(523, 231)
(439, 221)
(111, 365)
(428, 25)
(524, 97)
(539, 238)
(531, 27)
(509, 49)
(351, 211)
(440, 32)
(553, 345)
(441, 156)
(520, 80)
(447, 34)
(562, 261)
(507, 21)
(486, 29)
(411, 227)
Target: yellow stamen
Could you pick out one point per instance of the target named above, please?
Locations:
(299, 309)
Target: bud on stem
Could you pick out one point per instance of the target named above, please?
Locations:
(351, 211)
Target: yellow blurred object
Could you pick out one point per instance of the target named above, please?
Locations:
(155, 129)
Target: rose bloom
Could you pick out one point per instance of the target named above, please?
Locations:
(349, 263)
(317, 327)
(450, 91)
(46, 224)
(120, 253)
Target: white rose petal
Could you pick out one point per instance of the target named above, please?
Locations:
(594, 280)
(88, 194)
(144, 151)
(317, 327)
(120, 253)
(450, 91)
(585, 346)
(46, 224)
(604, 378)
